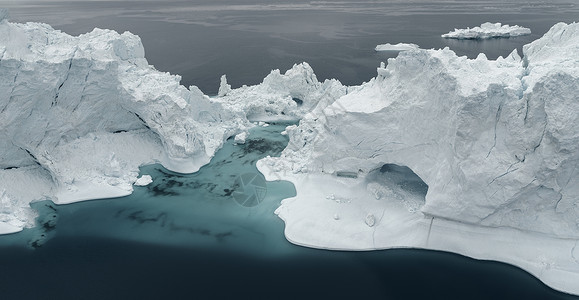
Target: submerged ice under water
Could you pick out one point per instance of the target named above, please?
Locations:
(195, 210)
(184, 235)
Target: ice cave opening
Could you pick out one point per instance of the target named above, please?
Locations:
(395, 182)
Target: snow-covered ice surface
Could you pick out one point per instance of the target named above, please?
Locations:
(486, 31)
(396, 47)
(495, 141)
(79, 115)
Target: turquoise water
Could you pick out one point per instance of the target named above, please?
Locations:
(193, 210)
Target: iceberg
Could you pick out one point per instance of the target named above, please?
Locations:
(396, 47)
(486, 31)
(495, 143)
(79, 115)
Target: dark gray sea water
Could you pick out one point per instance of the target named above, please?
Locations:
(185, 236)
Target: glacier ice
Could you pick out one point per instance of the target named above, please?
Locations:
(486, 31)
(396, 47)
(495, 141)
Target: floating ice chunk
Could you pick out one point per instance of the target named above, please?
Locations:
(396, 47)
(240, 138)
(144, 180)
(486, 31)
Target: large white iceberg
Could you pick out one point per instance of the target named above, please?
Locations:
(497, 143)
(79, 115)
(486, 31)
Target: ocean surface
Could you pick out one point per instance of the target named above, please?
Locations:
(189, 236)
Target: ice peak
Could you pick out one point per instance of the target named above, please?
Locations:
(224, 88)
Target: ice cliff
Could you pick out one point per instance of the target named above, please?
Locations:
(496, 142)
(486, 31)
(79, 115)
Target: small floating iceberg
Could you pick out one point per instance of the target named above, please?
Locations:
(487, 31)
(396, 47)
(144, 180)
